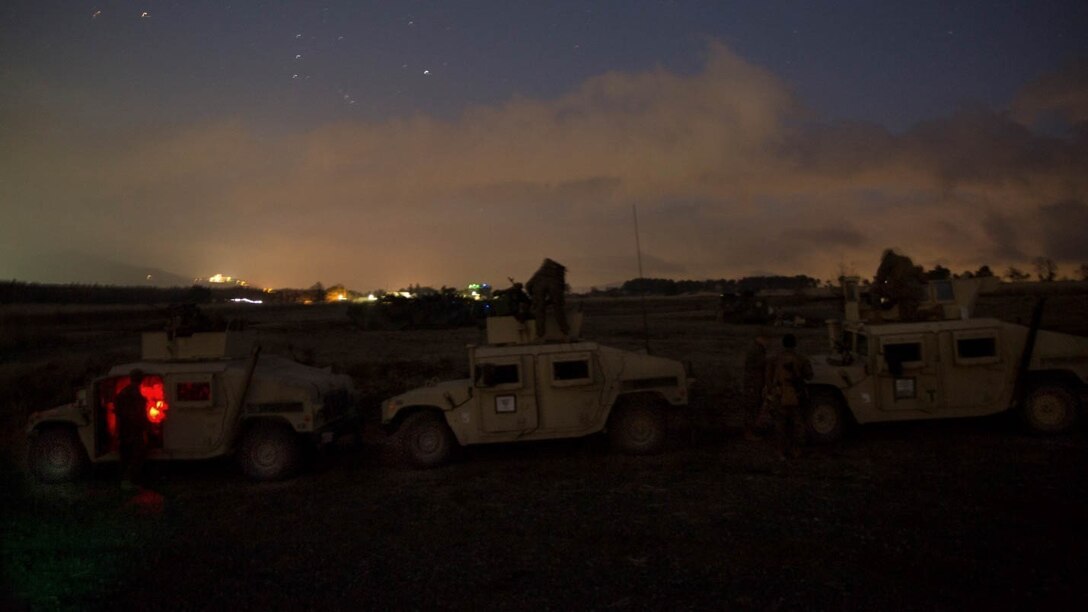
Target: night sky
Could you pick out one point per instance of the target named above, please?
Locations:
(380, 144)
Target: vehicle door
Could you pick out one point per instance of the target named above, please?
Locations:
(194, 420)
(570, 391)
(975, 376)
(907, 372)
(104, 409)
(505, 386)
(103, 394)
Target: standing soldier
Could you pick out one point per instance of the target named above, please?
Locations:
(786, 376)
(548, 283)
(755, 379)
(131, 410)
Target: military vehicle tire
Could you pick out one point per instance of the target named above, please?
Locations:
(637, 428)
(56, 455)
(1050, 409)
(426, 440)
(269, 451)
(825, 417)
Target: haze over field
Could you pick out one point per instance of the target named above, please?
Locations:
(379, 147)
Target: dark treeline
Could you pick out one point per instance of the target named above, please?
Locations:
(664, 286)
(16, 292)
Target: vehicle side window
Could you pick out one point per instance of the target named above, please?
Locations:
(200, 391)
(974, 348)
(905, 352)
(900, 354)
(497, 374)
(190, 390)
(571, 370)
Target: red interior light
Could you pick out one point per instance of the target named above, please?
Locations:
(152, 389)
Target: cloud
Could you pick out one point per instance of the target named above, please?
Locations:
(1064, 224)
(826, 236)
(1062, 93)
(727, 170)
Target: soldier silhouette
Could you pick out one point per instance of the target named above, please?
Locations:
(547, 285)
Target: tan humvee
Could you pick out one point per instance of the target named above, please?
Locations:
(949, 365)
(522, 389)
(208, 395)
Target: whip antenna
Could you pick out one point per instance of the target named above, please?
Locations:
(642, 282)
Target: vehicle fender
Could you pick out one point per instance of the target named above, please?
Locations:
(648, 397)
(1063, 378)
(250, 421)
(68, 414)
(460, 430)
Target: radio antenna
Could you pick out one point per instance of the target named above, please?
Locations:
(642, 281)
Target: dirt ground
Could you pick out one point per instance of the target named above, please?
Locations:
(937, 515)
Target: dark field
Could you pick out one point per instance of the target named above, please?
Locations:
(939, 515)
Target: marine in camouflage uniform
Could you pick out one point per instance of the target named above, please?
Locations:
(548, 285)
(787, 396)
(130, 407)
(755, 379)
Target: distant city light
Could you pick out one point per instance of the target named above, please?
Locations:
(246, 301)
(222, 279)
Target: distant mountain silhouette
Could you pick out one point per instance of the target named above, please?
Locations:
(82, 268)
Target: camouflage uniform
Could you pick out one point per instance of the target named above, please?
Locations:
(786, 375)
(548, 284)
(130, 408)
(755, 379)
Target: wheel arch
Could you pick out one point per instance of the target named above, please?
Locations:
(838, 395)
(1065, 379)
(46, 470)
(405, 412)
(641, 398)
(263, 420)
(82, 433)
(41, 426)
(1062, 378)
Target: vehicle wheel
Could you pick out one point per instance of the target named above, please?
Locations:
(825, 417)
(1050, 409)
(269, 451)
(637, 429)
(426, 440)
(57, 455)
